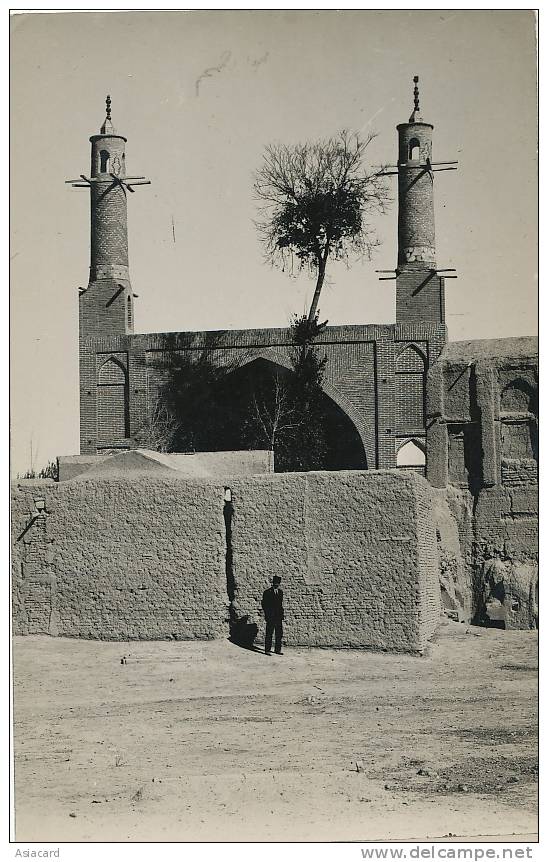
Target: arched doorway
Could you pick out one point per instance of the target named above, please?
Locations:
(267, 414)
(255, 407)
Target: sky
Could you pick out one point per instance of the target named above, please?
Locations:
(199, 95)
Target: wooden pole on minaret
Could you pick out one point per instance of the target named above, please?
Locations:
(106, 305)
(420, 284)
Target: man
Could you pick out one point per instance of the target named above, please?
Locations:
(272, 605)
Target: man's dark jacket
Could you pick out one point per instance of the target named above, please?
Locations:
(273, 604)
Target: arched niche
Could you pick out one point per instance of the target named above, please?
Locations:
(518, 396)
(411, 359)
(112, 402)
(410, 389)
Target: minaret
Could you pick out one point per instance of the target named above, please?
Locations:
(109, 246)
(419, 289)
(106, 305)
(416, 236)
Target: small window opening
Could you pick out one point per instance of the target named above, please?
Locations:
(411, 455)
(414, 150)
(129, 312)
(105, 161)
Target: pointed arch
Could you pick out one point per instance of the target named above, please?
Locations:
(411, 453)
(411, 358)
(417, 442)
(345, 447)
(279, 357)
(414, 152)
(112, 371)
(112, 402)
(518, 396)
(104, 161)
(411, 365)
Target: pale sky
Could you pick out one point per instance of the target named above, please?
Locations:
(198, 96)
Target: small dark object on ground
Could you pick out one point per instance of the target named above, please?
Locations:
(242, 632)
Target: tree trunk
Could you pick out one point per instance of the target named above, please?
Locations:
(319, 284)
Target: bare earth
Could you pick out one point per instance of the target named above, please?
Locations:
(210, 742)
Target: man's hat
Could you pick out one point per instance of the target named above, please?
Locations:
(276, 579)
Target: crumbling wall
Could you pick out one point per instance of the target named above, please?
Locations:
(506, 530)
(450, 512)
(356, 551)
(128, 559)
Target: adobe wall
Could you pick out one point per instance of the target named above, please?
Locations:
(119, 560)
(146, 558)
(356, 551)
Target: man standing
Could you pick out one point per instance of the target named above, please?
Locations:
(272, 605)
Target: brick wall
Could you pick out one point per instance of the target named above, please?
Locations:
(416, 238)
(103, 309)
(420, 296)
(519, 471)
(359, 375)
(356, 551)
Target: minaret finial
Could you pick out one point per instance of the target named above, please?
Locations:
(107, 128)
(416, 115)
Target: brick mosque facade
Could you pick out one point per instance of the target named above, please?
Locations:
(393, 383)
(375, 374)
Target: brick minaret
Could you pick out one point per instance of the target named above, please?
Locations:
(419, 290)
(106, 306)
(107, 416)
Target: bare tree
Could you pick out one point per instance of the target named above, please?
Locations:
(316, 200)
(159, 430)
(275, 415)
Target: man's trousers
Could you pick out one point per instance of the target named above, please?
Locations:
(273, 627)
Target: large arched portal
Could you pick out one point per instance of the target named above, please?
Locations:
(259, 406)
(270, 415)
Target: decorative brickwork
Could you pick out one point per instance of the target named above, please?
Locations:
(360, 373)
(359, 377)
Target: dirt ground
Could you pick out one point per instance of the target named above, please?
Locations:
(210, 742)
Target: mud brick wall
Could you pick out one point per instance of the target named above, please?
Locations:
(119, 560)
(519, 471)
(356, 552)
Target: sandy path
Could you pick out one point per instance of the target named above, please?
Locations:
(206, 741)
